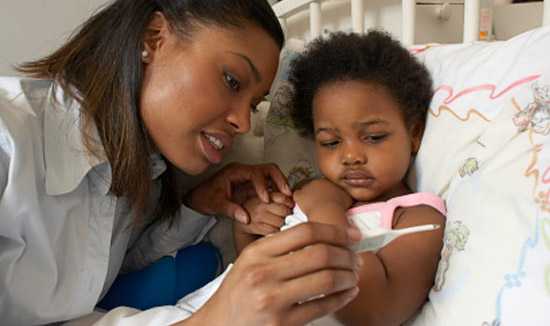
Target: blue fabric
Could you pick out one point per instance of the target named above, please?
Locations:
(166, 281)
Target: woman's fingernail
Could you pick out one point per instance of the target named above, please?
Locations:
(265, 197)
(241, 217)
(354, 234)
(358, 261)
(287, 190)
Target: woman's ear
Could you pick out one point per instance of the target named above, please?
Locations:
(416, 132)
(155, 36)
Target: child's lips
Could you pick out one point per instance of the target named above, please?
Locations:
(358, 178)
(362, 183)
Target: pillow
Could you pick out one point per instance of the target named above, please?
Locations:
(282, 142)
(486, 151)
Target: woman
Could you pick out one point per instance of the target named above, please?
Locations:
(89, 152)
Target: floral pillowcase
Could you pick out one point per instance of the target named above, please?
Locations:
(486, 151)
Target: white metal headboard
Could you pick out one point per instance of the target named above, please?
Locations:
(287, 8)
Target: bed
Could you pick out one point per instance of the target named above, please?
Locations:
(486, 151)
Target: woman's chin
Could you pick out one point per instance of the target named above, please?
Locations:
(197, 169)
(191, 167)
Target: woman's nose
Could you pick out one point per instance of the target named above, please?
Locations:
(239, 118)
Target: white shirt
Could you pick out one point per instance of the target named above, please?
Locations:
(63, 236)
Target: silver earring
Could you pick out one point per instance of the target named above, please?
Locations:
(144, 54)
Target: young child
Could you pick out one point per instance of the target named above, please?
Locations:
(364, 99)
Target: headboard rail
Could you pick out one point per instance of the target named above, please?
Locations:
(286, 8)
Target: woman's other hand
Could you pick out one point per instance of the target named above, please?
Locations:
(226, 191)
(289, 278)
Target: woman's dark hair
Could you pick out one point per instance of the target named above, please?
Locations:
(373, 58)
(100, 66)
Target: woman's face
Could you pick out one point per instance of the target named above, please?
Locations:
(362, 142)
(197, 94)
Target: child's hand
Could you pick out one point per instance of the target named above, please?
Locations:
(266, 218)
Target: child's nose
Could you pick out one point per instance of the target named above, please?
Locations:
(353, 155)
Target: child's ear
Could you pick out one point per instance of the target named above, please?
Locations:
(416, 132)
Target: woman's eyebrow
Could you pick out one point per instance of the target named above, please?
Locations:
(255, 71)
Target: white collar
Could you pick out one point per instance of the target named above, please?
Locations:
(67, 160)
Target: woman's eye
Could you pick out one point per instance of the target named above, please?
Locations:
(233, 83)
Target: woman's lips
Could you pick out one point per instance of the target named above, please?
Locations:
(213, 145)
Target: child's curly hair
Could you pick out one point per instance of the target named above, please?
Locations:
(374, 57)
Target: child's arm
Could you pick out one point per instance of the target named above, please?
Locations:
(324, 200)
(328, 202)
(241, 238)
(395, 281)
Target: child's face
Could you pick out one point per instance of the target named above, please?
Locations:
(362, 142)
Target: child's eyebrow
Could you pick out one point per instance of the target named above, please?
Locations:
(371, 122)
(320, 130)
(360, 124)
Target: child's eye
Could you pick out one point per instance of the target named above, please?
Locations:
(329, 144)
(233, 83)
(375, 139)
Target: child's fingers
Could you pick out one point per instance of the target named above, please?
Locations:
(272, 219)
(281, 211)
(282, 199)
(264, 229)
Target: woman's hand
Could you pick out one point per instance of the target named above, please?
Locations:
(289, 278)
(226, 191)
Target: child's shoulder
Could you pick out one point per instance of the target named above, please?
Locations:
(421, 213)
(320, 191)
